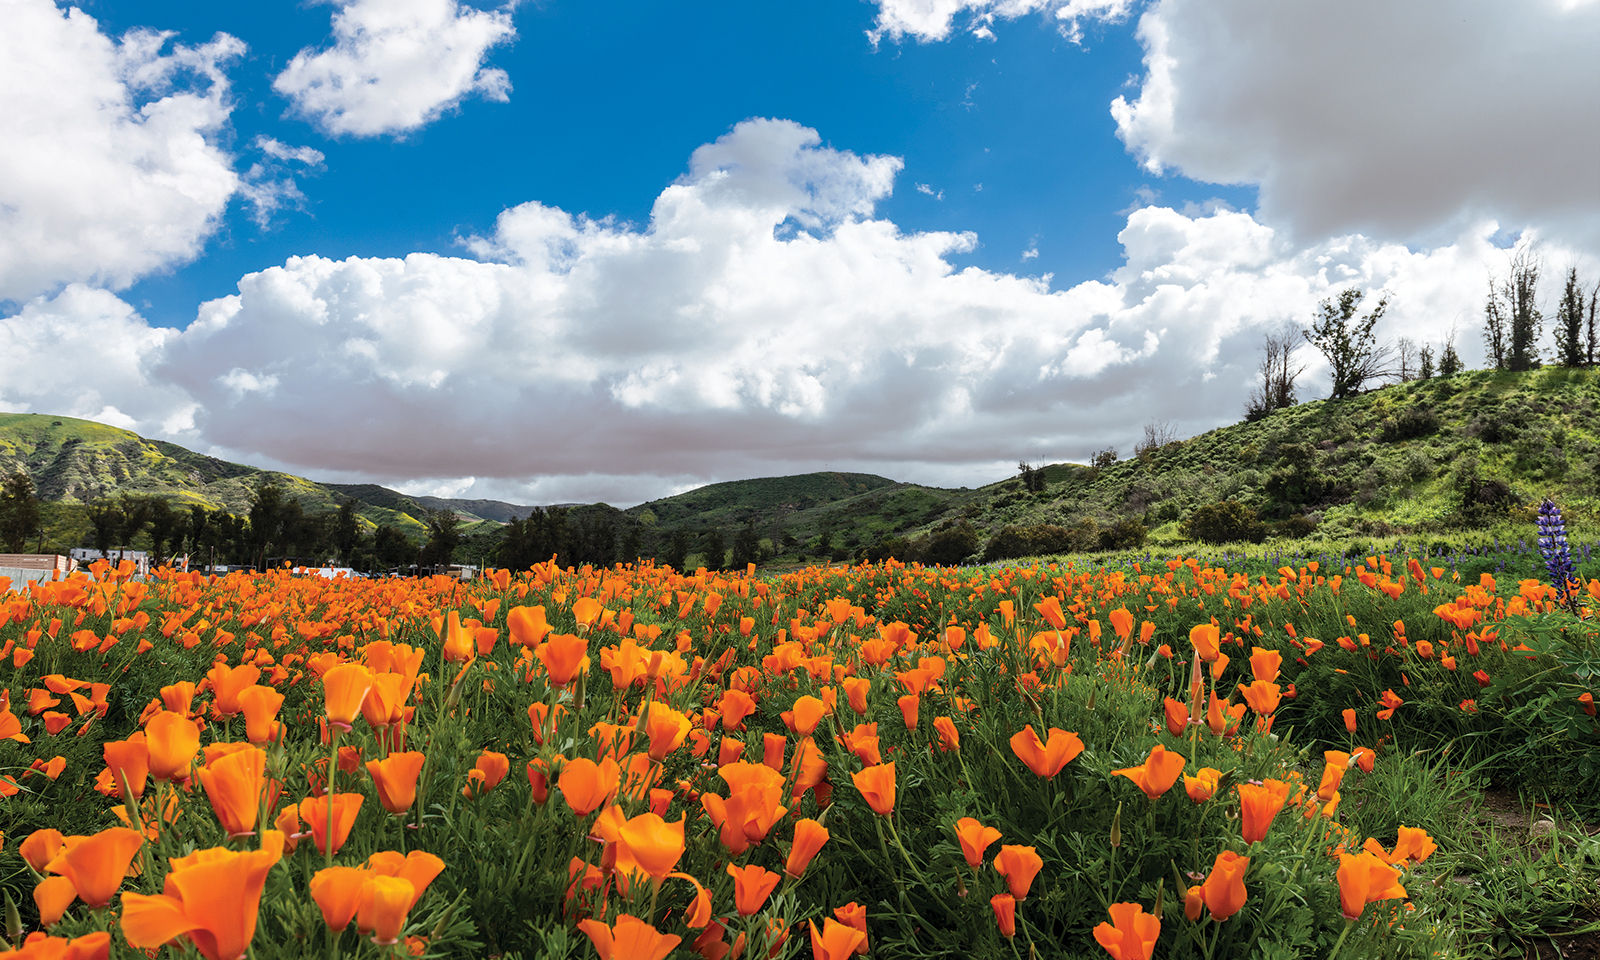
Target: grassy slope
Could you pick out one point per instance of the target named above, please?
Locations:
(1534, 430)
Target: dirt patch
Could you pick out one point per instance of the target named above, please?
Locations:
(1570, 946)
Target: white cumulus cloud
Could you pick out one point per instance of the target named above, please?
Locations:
(764, 322)
(1403, 120)
(932, 20)
(396, 65)
(107, 167)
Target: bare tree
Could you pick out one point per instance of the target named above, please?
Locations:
(1495, 340)
(1275, 389)
(1405, 350)
(1157, 434)
(1592, 336)
(1512, 321)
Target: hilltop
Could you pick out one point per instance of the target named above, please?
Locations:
(1431, 457)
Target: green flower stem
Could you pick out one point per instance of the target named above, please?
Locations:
(1340, 942)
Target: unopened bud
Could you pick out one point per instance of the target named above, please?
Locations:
(1116, 827)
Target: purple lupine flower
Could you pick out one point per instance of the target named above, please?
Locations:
(1553, 547)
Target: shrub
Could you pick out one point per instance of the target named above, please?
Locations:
(1410, 423)
(1224, 522)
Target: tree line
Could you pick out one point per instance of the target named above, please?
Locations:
(1513, 326)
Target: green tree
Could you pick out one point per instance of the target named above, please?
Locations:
(163, 523)
(746, 546)
(1449, 361)
(1571, 347)
(391, 547)
(444, 535)
(346, 529)
(268, 509)
(19, 511)
(716, 549)
(1349, 343)
(105, 522)
(677, 549)
(1512, 321)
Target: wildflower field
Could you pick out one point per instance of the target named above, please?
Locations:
(1166, 758)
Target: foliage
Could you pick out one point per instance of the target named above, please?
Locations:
(1349, 343)
(1224, 522)
(19, 512)
(952, 666)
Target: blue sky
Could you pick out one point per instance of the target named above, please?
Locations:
(1012, 136)
(569, 251)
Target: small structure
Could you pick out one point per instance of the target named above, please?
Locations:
(87, 555)
(18, 568)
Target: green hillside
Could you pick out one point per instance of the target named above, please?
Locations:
(1445, 458)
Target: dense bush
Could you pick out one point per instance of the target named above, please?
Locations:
(1224, 522)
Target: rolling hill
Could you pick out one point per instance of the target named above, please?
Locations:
(1430, 458)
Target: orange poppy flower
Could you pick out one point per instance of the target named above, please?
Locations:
(876, 784)
(949, 738)
(226, 685)
(97, 864)
(337, 892)
(974, 838)
(629, 939)
(383, 906)
(908, 709)
(260, 704)
(666, 729)
(1019, 865)
(1363, 879)
(809, 836)
(1157, 774)
(395, 776)
(1177, 716)
(343, 689)
(173, 740)
(1046, 758)
(1258, 805)
(314, 811)
(651, 844)
(212, 897)
(1202, 785)
(1131, 934)
(855, 691)
(53, 895)
(837, 941)
(1050, 609)
(587, 786)
(129, 762)
(486, 773)
(1206, 640)
(1263, 697)
(1004, 906)
(1265, 664)
(418, 866)
(1413, 844)
(234, 785)
(564, 657)
(808, 711)
(1223, 890)
(751, 887)
(385, 702)
(41, 847)
(528, 625)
